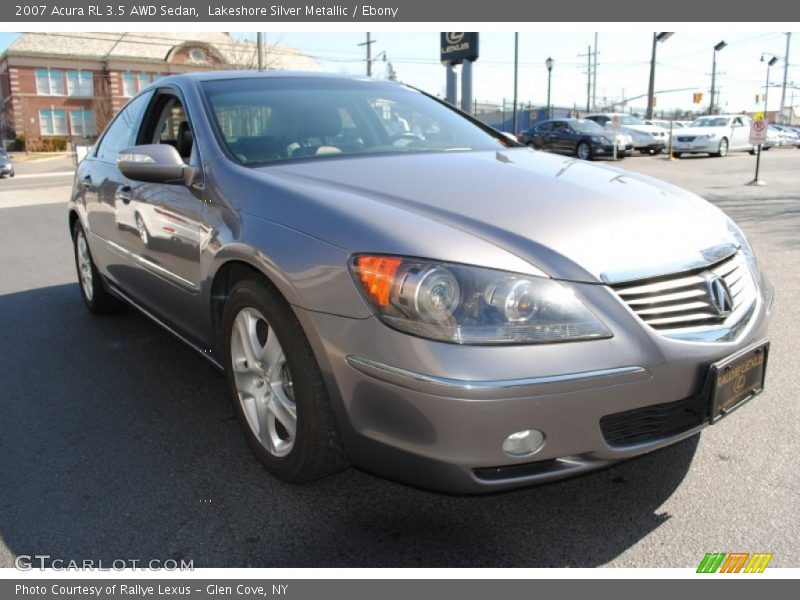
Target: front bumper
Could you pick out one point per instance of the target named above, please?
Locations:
(435, 414)
(608, 149)
(657, 145)
(696, 146)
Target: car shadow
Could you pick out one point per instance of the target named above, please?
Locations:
(118, 443)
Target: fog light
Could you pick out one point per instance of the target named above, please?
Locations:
(523, 443)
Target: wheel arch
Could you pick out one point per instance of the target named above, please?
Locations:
(73, 218)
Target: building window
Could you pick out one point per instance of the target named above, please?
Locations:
(144, 80)
(52, 122)
(82, 123)
(49, 82)
(79, 83)
(128, 85)
(136, 82)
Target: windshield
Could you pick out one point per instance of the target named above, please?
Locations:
(264, 120)
(711, 122)
(629, 120)
(587, 126)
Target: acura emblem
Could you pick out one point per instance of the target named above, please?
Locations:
(719, 295)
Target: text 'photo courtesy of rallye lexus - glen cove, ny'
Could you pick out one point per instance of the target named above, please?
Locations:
(435, 303)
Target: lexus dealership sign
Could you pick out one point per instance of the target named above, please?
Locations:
(458, 46)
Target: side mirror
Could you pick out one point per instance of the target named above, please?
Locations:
(154, 163)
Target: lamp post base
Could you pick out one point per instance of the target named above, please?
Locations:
(756, 182)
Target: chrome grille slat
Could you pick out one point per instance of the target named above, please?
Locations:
(673, 308)
(651, 288)
(666, 298)
(681, 302)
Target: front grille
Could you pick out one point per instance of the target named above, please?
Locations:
(686, 138)
(682, 300)
(655, 422)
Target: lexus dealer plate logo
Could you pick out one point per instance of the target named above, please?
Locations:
(719, 295)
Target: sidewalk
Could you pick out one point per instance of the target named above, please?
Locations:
(34, 196)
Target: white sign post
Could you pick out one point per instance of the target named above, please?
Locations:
(758, 135)
(615, 124)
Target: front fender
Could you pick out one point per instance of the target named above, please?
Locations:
(310, 273)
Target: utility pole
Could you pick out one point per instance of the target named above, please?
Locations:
(785, 75)
(588, 56)
(589, 81)
(657, 37)
(516, 76)
(594, 75)
(260, 50)
(368, 45)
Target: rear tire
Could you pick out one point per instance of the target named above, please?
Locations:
(276, 386)
(93, 290)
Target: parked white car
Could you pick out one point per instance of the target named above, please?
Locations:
(715, 135)
(646, 138)
(788, 136)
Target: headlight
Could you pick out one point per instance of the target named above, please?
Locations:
(708, 136)
(747, 250)
(472, 305)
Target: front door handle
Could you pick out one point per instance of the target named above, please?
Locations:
(86, 181)
(124, 194)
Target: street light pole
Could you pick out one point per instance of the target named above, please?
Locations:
(717, 48)
(756, 181)
(657, 37)
(770, 64)
(549, 64)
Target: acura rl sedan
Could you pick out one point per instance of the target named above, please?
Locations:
(433, 302)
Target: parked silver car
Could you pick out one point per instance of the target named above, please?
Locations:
(436, 304)
(6, 165)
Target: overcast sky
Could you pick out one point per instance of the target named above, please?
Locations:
(683, 62)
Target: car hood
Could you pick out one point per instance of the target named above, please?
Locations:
(570, 218)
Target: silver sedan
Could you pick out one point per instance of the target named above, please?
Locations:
(385, 281)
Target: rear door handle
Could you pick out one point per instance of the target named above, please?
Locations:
(124, 194)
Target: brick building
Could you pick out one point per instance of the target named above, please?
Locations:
(63, 86)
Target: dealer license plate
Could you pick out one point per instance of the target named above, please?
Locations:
(737, 379)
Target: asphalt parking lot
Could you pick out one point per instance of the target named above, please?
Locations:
(117, 442)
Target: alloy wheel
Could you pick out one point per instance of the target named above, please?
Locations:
(584, 151)
(84, 265)
(263, 382)
(142, 228)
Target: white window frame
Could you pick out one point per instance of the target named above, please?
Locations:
(129, 77)
(85, 125)
(47, 116)
(51, 78)
(85, 83)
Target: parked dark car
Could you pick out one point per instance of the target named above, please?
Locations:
(434, 303)
(579, 137)
(6, 166)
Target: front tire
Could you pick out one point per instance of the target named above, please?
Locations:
(93, 291)
(722, 151)
(141, 228)
(276, 386)
(583, 151)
